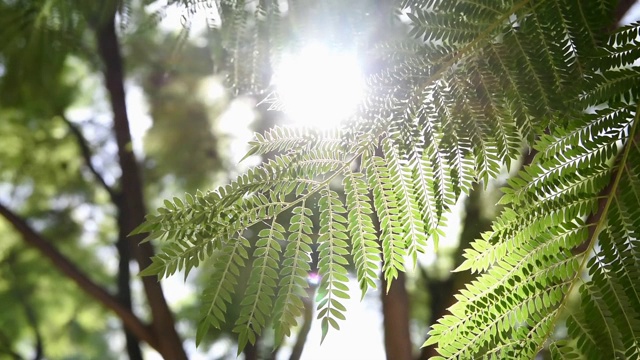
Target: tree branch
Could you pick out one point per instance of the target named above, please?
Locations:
(63, 264)
(132, 205)
(86, 155)
(122, 244)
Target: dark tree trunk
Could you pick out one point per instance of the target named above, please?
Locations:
(621, 10)
(395, 311)
(132, 207)
(250, 351)
(124, 284)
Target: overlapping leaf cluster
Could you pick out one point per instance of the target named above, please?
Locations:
(563, 211)
(480, 80)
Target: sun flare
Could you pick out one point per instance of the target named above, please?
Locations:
(319, 87)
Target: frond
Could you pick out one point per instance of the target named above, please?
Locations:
(217, 295)
(532, 259)
(364, 248)
(391, 227)
(295, 270)
(407, 206)
(257, 302)
(607, 320)
(331, 264)
(301, 139)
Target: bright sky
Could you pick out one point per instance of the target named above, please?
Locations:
(360, 335)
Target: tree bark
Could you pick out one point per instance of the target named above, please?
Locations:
(124, 283)
(122, 243)
(250, 351)
(63, 264)
(132, 207)
(395, 310)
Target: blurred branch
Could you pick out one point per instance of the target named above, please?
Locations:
(63, 264)
(132, 206)
(122, 244)
(86, 154)
(124, 247)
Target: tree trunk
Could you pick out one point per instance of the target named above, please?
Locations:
(250, 351)
(132, 207)
(124, 284)
(395, 311)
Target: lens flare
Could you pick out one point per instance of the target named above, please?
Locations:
(319, 87)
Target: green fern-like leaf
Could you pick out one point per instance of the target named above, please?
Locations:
(217, 295)
(391, 227)
(415, 239)
(365, 249)
(258, 299)
(332, 250)
(288, 304)
(531, 263)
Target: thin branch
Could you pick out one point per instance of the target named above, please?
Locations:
(86, 154)
(31, 237)
(122, 244)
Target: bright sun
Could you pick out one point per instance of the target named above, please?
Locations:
(319, 87)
